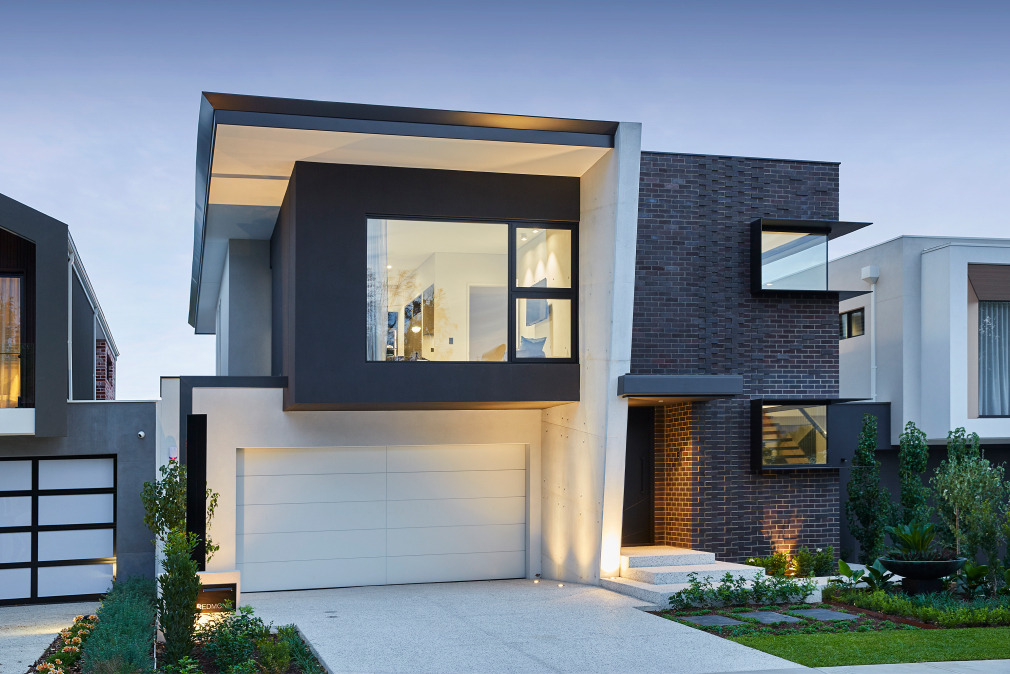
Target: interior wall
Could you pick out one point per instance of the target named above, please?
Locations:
(584, 443)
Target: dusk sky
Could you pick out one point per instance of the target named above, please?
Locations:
(99, 103)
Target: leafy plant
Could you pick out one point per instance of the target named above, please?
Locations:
(913, 455)
(972, 580)
(244, 667)
(824, 561)
(938, 608)
(180, 586)
(122, 636)
(868, 506)
(913, 542)
(774, 565)
(300, 653)
(803, 563)
(165, 504)
(971, 498)
(875, 576)
(230, 638)
(740, 590)
(275, 655)
(186, 665)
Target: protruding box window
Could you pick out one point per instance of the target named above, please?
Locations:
(794, 260)
(790, 435)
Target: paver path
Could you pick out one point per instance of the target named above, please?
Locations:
(499, 626)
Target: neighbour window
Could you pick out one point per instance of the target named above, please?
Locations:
(994, 358)
(794, 260)
(794, 435)
(851, 324)
(448, 291)
(10, 341)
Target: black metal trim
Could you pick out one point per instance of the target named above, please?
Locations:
(34, 528)
(196, 484)
(832, 228)
(663, 385)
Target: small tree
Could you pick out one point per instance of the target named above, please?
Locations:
(165, 504)
(971, 499)
(869, 505)
(913, 454)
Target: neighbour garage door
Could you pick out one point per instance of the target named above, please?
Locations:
(57, 528)
(344, 516)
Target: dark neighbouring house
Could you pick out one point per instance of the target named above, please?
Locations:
(71, 461)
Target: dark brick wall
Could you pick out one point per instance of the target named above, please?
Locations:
(676, 471)
(695, 314)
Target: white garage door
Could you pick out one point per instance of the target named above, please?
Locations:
(344, 516)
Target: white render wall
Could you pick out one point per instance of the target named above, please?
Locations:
(584, 443)
(240, 418)
(925, 341)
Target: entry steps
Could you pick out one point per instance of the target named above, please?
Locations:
(653, 573)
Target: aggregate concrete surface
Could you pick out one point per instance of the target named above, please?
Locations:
(499, 626)
(26, 631)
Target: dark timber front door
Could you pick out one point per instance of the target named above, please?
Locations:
(639, 478)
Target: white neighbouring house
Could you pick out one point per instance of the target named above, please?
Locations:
(942, 333)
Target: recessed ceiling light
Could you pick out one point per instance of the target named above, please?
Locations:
(415, 328)
(389, 266)
(536, 231)
(522, 238)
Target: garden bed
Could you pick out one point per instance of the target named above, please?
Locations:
(861, 621)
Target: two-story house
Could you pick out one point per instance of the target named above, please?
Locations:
(72, 459)
(457, 346)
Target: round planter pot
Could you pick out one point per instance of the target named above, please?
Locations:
(922, 570)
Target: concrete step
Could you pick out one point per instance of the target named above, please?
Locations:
(671, 574)
(662, 555)
(659, 595)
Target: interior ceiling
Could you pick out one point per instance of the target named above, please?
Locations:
(990, 281)
(410, 242)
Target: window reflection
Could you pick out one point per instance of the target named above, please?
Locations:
(794, 260)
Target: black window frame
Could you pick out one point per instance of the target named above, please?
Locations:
(34, 528)
(516, 292)
(757, 434)
(845, 323)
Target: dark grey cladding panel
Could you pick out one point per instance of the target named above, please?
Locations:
(52, 304)
(646, 385)
(319, 293)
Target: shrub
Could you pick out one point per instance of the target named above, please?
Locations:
(230, 638)
(938, 609)
(774, 565)
(186, 665)
(913, 454)
(275, 655)
(869, 505)
(165, 504)
(244, 667)
(740, 590)
(180, 586)
(971, 494)
(824, 562)
(123, 639)
(300, 653)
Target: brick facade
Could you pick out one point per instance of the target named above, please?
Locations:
(105, 371)
(695, 314)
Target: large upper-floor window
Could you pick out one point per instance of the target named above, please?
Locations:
(794, 260)
(993, 358)
(448, 291)
(10, 341)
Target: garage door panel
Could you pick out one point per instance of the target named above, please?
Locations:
(321, 545)
(445, 568)
(456, 457)
(76, 473)
(305, 575)
(256, 489)
(452, 540)
(287, 517)
(310, 460)
(459, 484)
(456, 512)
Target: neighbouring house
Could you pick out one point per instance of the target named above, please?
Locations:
(71, 462)
(457, 346)
(932, 340)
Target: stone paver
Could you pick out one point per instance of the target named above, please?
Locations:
(770, 617)
(824, 614)
(499, 626)
(26, 631)
(711, 620)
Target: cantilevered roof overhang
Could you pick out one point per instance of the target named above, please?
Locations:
(247, 147)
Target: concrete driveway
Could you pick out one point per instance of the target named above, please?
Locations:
(26, 631)
(499, 626)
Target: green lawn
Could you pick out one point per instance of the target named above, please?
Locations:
(877, 648)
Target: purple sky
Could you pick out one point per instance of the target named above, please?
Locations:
(99, 101)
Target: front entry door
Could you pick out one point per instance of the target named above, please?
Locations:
(639, 478)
